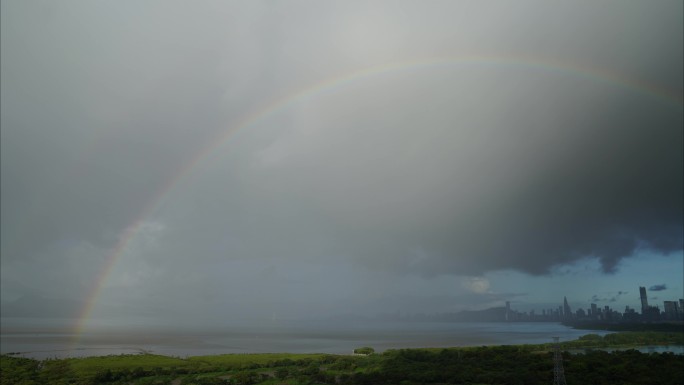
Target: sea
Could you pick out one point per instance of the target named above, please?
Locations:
(287, 336)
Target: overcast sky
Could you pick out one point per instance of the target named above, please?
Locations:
(291, 159)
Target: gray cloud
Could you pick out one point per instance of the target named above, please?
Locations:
(660, 287)
(450, 169)
(445, 198)
(610, 297)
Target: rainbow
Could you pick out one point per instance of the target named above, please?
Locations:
(336, 83)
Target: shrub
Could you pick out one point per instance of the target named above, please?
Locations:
(364, 350)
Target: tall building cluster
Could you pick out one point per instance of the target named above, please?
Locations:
(673, 311)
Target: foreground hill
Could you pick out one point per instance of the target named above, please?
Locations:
(523, 364)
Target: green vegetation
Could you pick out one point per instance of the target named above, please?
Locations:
(627, 339)
(364, 350)
(91, 365)
(520, 364)
(241, 360)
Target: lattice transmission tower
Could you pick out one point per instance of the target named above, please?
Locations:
(558, 373)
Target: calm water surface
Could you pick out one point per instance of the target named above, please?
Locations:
(293, 337)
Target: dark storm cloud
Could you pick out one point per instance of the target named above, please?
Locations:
(553, 182)
(506, 169)
(660, 287)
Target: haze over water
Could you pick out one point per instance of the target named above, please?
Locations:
(293, 337)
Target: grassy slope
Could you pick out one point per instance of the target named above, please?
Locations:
(237, 360)
(84, 367)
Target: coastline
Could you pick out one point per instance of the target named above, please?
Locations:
(673, 326)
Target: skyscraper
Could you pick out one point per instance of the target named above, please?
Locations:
(567, 312)
(671, 310)
(644, 300)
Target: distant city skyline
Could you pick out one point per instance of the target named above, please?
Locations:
(583, 285)
(671, 310)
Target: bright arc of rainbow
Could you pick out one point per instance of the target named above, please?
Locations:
(337, 82)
